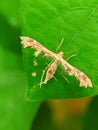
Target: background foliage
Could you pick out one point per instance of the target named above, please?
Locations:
(15, 112)
(47, 21)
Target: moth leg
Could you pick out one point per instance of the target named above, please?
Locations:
(43, 73)
(70, 57)
(62, 72)
(65, 77)
(50, 71)
(47, 67)
(42, 76)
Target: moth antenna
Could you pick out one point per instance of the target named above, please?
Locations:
(42, 76)
(60, 44)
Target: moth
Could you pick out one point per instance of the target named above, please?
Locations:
(50, 70)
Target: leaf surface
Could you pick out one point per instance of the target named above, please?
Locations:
(48, 22)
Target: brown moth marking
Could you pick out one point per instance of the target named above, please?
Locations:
(51, 69)
(58, 58)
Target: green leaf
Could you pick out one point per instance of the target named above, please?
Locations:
(50, 21)
(91, 116)
(15, 112)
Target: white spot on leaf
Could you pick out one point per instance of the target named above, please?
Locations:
(34, 74)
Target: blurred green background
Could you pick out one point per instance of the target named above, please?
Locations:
(16, 113)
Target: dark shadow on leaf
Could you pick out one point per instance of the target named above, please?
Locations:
(9, 34)
(91, 116)
(43, 120)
